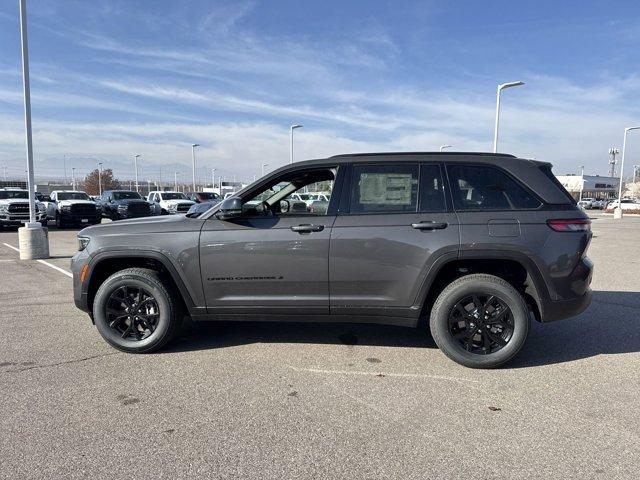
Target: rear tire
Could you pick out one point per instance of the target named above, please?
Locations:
(138, 332)
(458, 319)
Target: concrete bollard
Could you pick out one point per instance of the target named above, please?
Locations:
(33, 240)
(617, 212)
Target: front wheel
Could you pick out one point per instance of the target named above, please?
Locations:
(480, 321)
(136, 311)
(59, 222)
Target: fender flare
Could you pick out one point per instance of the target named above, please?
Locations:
(185, 291)
(541, 292)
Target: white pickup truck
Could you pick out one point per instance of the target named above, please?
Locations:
(72, 207)
(14, 208)
(170, 202)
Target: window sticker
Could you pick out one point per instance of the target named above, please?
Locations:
(386, 188)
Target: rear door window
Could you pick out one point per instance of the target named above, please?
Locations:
(479, 187)
(431, 189)
(384, 188)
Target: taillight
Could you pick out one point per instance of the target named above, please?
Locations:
(570, 225)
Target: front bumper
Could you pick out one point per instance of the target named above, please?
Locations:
(19, 219)
(69, 217)
(80, 293)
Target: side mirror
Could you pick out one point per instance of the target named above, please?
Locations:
(285, 206)
(230, 208)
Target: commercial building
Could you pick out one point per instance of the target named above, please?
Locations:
(593, 186)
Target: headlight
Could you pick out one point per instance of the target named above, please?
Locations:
(173, 207)
(82, 243)
(41, 207)
(65, 207)
(3, 208)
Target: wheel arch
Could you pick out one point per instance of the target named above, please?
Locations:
(514, 267)
(105, 264)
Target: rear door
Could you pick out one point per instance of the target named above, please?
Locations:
(394, 223)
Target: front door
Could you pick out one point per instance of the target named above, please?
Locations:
(273, 258)
(395, 226)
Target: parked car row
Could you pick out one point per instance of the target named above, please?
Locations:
(626, 204)
(592, 204)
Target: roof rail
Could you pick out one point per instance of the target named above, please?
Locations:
(379, 154)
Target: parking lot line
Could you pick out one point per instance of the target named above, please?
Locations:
(44, 262)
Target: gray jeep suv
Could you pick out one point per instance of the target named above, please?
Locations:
(472, 244)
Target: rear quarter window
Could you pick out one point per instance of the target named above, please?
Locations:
(480, 187)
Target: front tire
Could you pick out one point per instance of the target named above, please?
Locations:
(137, 311)
(480, 321)
(59, 222)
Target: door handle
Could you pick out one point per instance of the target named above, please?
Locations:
(307, 228)
(429, 225)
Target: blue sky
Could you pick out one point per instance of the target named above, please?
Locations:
(113, 78)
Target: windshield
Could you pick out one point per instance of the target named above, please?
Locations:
(126, 195)
(208, 195)
(173, 196)
(73, 196)
(4, 195)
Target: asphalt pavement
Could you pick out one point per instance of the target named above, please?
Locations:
(302, 401)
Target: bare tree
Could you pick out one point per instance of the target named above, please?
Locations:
(91, 185)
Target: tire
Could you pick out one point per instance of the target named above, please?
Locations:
(169, 312)
(59, 222)
(471, 350)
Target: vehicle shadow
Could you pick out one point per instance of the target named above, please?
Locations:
(611, 325)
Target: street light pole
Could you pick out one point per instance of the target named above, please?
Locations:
(264, 165)
(291, 129)
(27, 110)
(581, 181)
(442, 147)
(635, 171)
(502, 86)
(213, 178)
(193, 164)
(32, 238)
(73, 177)
(624, 147)
(175, 181)
(100, 178)
(135, 168)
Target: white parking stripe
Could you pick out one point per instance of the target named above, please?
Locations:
(55, 267)
(12, 247)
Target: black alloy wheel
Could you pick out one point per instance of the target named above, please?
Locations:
(132, 312)
(137, 310)
(481, 323)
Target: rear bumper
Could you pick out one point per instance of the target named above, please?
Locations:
(579, 293)
(557, 310)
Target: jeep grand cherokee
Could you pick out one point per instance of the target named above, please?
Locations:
(473, 244)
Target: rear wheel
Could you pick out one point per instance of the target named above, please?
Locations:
(480, 321)
(136, 311)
